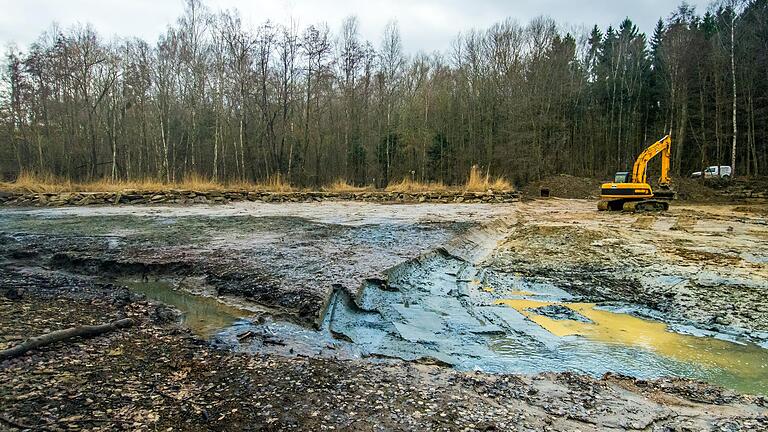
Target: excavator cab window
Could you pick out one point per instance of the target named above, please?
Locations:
(621, 177)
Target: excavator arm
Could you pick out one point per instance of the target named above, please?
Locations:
(639, 170)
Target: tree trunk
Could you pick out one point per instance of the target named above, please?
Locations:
(733, 79)
(62, 335)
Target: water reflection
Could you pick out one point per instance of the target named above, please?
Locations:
(203, 315)
(740, 366)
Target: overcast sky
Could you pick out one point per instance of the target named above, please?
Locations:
(424, 24)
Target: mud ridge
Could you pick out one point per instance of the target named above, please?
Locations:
(117, 268)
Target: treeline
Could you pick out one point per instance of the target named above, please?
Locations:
(215, 99)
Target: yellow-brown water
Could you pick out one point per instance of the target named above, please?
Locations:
(740, 366)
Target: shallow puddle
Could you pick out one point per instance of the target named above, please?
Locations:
(205, 316)
(441, 308)
(740, 366)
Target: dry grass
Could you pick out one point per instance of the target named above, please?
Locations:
(199, 183)
(105, 185)
(341, 185)
(29, 182)
(479, 182)
(275, 183)
(410, 186)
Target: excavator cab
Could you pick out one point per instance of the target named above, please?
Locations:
(621, 177)
(630, 191)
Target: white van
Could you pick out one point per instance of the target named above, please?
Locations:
(722, 171)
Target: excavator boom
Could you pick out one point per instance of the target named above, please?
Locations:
(639, 170)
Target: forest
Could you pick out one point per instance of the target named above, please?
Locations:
(216, 98)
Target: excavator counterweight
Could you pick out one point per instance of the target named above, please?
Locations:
(630, 191)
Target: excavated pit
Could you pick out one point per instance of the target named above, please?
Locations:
(408, 283)
(439, 308)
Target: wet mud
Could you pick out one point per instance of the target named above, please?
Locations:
(530, 288)
(284, 257)
(439, 309)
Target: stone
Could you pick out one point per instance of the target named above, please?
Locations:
(722, 320)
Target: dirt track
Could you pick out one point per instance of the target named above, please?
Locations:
(701, 268)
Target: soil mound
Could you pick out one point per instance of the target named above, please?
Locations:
(564, 186)
(688, 189)
(714, 190)
(696, 190)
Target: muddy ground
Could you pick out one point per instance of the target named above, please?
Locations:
(285, 258)
(702, 268)
(699, 264)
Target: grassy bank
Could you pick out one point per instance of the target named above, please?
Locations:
(31, 183)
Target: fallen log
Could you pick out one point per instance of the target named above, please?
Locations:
(62, 335)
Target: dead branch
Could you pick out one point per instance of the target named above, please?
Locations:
(62, 335)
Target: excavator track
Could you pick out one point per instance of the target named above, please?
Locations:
(646, 206)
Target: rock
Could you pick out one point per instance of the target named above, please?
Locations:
(163, 314)
(196, 197)
(560, 312)
(722, 320)
(13, 293)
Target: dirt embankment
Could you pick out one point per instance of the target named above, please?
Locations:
(688, 189)
(749, 189)
(564, 186)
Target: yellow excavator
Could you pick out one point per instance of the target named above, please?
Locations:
(630, 191)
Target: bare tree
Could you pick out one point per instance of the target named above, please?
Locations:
(219, 98)
(730, 10)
